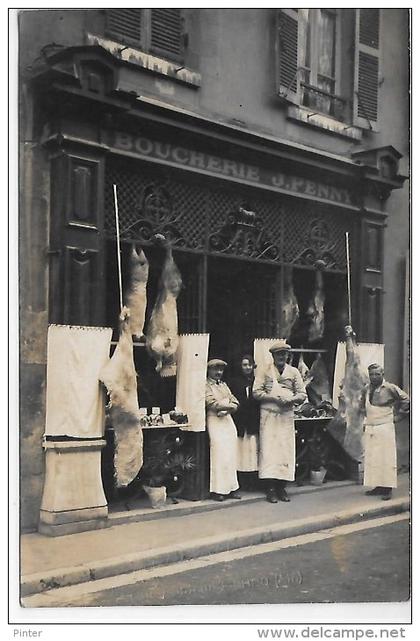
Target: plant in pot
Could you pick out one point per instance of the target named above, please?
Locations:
(318, 457)
(163, 469)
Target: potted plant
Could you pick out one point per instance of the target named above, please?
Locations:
(318, 456)
(163, 469)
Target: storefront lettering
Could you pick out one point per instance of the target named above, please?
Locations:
(214, 164)
(144, 146)
(189, 158)
(163, 150)
(180, 155)
(197, 159)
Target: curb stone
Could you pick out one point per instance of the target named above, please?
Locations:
(122, 564)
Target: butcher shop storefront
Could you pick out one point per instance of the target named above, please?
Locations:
(254, 246)
(257, 231)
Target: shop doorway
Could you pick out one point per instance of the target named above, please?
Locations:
(240, 306)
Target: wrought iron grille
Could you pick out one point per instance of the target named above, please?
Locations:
(315, 235)
(217, 218)
(150, 201)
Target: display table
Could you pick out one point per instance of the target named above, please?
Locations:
(316, 448)
(195, 482)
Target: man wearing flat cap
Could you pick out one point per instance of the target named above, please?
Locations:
(279, 389)
(220, 404)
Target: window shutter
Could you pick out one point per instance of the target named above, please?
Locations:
(287, 54)
(166, 37)
(366, 69)
(124, 25)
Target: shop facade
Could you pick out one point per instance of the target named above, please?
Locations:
(246, 215)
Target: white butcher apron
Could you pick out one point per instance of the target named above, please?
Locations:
(380, 464)
(277, 441)
(223, 453)
(248, 453)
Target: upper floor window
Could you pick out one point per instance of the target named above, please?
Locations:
(318, 59)
(157, 31)
(313, 66)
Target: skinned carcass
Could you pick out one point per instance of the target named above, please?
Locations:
(318, 388)
(162, 331)
(135, 298)
(315, 311)
(304, 371)
(119, 376)
(347, 425)
(289, 307)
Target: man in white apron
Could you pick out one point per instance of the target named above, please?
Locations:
(278, 390)
(379, 399)
(220, 404)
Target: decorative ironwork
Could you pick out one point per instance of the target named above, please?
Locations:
(318, 247)
(156, 216)
(244, 234)
(220, 218)
(152, 201)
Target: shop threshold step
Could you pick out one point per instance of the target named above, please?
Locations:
(141, 511)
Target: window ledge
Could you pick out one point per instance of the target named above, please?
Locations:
(308, 117)
(175, 71)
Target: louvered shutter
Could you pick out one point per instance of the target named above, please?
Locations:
(367, 69)
(166, 36)
(125, 25)
(287, 55)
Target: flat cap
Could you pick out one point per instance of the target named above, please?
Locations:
(215, 362)
(280, 346)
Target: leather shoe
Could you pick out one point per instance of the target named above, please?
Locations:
(386, 496)
(375, 492)
(235, 495)
(218, 497)
(283, 496)
(271, 496)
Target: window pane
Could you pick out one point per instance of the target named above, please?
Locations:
(326, 39)
(326, 60)
(306, 31)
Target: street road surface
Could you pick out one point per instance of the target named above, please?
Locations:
(354, 563)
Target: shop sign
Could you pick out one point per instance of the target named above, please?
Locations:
(200, 161)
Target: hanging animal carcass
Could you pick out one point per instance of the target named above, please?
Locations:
(119, 376)
(304, 371)
(135, 298)
(315, 310)
(162, 331)
(347, 425)
(289, 307)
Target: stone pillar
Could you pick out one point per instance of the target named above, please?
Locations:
(73, 499)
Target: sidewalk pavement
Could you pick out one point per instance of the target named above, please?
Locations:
(191, 530)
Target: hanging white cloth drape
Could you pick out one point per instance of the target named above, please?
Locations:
(368, 352)
(191, 378)
(263, 358)
(75, 404)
